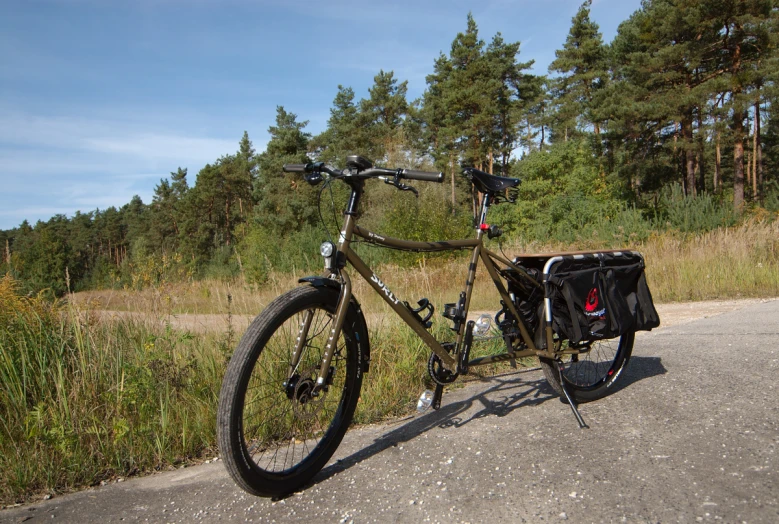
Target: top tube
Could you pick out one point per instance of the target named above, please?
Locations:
(410, 245)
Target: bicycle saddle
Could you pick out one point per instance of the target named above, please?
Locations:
(487, 183)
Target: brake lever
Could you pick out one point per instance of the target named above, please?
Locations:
(404, 187)
(397, 184)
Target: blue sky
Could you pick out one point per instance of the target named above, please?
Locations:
(99, 99)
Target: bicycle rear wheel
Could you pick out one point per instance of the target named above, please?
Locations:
(274, 432)
(591, 374)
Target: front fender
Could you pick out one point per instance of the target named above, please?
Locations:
(360, 327)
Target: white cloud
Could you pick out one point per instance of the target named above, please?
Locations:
(59, 164)
(37, 211)
(132, 138)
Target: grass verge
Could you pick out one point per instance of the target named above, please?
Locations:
(88, 397)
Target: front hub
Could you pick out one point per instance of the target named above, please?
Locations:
(299, 389)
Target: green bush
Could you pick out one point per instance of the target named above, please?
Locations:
(563, 191)
(691, 214)
(771, 199)
(627, 227)
(263, 251)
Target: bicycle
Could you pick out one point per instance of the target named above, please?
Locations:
(292, 385)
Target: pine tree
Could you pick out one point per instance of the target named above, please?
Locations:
(581, 64)
(284, 201)
(438, 122)
(344, 136)
(747, 37)
(382, 114)
(512, 95)
(468, 98)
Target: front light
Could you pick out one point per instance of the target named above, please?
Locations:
(327, 249)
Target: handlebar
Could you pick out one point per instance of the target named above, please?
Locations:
(294, 168)
(373, 172)
(427, 176)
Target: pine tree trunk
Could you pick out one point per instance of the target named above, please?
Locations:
(689, 155)
(755, 147)
(717, 158)
(738, 161)
(227, 216)
(760, 186)
(489, 156)
(738, 145)
(676, 136)
(701, 156)
(451, 171)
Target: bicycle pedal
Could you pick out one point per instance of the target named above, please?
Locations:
(425, 401)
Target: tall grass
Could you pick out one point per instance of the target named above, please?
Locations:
(88, 396)
(731, 262)
(722, 263)
(85, 399)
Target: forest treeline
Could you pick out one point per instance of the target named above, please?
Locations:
(674, 124)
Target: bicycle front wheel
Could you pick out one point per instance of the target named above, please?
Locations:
(275, 432)
(591, 374)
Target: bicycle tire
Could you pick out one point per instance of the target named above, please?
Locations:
(263, 424)
(591, 375)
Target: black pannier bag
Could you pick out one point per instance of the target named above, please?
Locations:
(600, 295)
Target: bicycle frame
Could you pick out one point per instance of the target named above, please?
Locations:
(267, 417)
(488, 258)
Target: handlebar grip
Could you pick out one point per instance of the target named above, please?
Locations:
(294, 168)
(427, 176)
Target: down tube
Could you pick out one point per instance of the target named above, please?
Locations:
(401, 310)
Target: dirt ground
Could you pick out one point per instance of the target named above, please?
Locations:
(670, 315)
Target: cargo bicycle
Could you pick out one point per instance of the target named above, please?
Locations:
(293, 382)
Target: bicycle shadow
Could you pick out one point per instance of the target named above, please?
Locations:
(518, 393)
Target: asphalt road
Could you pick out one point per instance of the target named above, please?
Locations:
(691, 436)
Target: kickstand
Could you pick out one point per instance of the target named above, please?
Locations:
(575, 410)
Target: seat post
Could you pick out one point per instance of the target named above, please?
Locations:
(485, 204)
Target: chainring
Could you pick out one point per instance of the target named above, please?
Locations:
(438, 372)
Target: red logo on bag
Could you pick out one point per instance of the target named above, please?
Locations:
(592, 301)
